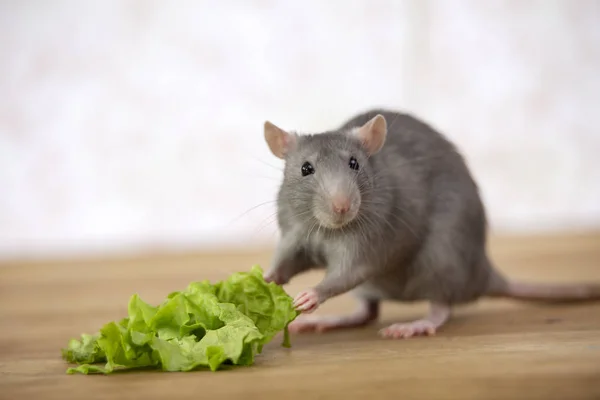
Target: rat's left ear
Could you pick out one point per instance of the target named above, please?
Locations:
(372, 134)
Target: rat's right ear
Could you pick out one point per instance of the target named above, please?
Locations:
(280, 142)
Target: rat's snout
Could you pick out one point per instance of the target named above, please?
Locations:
(340, 204)
(338, 201)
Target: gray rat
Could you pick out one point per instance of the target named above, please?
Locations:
(388, 207)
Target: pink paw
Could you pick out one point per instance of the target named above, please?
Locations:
(320, 324)
(307, 301)
(312, 323)
(409, 329)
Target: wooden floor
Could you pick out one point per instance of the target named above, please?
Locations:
(491, 350)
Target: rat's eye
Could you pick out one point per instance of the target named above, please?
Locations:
(307, 169)
(353, 163)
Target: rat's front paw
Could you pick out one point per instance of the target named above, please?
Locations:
(307, 301)
(272, 276)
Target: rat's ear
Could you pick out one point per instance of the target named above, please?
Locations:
(372, 134)
(280, 142)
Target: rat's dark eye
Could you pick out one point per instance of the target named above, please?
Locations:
(307, 169)
(353, 163)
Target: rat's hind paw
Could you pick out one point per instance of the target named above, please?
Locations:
(438, 315)
(312, 323)
(364, 315)
(319, 324)
(409, 329)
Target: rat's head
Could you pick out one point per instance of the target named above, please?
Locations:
(326, 175)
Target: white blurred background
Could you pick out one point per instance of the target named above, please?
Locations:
(131, 126)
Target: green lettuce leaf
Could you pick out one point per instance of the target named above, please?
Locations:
(204, 326)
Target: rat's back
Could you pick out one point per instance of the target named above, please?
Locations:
(436, 195)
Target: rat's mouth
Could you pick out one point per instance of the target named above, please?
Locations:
(333, 220)
(334, 224)
(336, 210)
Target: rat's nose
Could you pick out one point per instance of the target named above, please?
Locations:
(341, 205)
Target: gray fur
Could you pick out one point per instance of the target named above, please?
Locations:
(420, 228)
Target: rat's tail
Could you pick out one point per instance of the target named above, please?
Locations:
(552, 292)
(499, 286)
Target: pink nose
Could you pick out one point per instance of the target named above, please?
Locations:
(341, 205)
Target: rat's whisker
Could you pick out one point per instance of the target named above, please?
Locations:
(362, 228)
(267, 164)
(315, 222)
(269, 219)
(251, 209)
(399, 219)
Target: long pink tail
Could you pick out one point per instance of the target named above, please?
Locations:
(552, 292)
(502, 286)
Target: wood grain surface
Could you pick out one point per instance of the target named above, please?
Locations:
(494, 349)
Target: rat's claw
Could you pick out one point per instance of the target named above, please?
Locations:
(306, 301)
